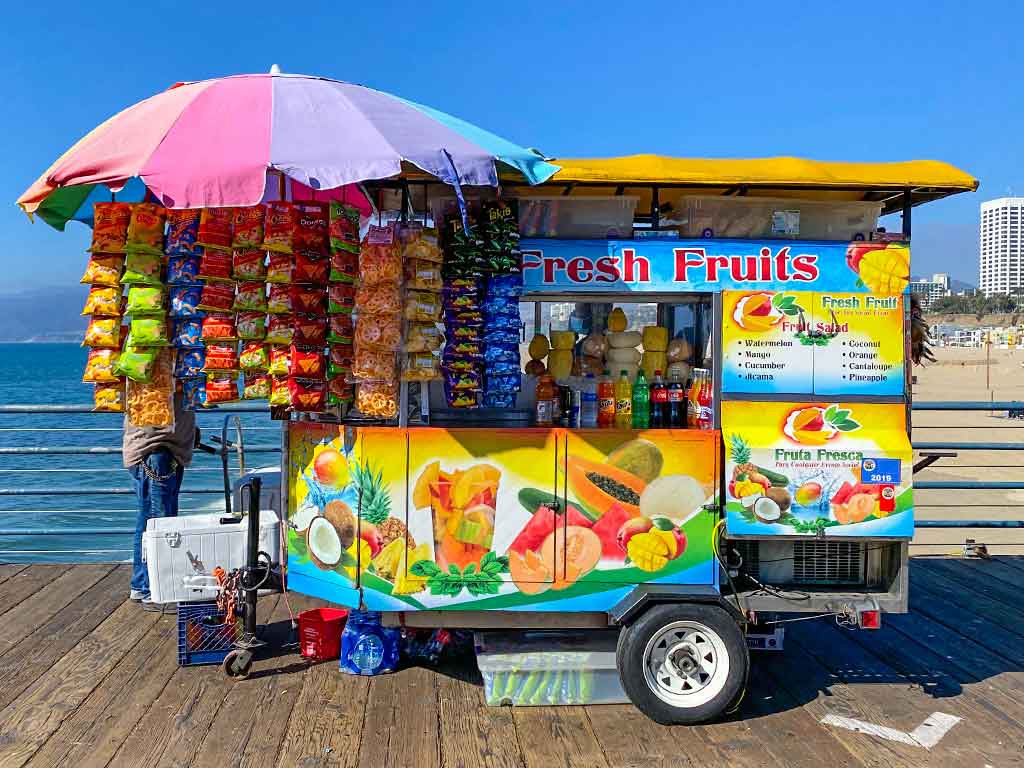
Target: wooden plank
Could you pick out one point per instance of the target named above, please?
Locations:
(11, 569)
(995, 631)
(22, 664)
(471, 733)
(1013, 561)
(90, 737)
(558, 736)
(629, 738)
(971, 575)
(27, 582)
(28, 721)
(29, 615)
(974, 600)
(401, 726)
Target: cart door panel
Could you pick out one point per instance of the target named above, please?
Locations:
(647, 490)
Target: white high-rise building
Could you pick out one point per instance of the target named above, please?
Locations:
(1001, 256)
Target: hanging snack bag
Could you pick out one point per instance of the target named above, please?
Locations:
(136, 365)
(458, 364)
(279, 223)
(186, 332)
(217, 297)
(423, 275)
(249, 264)
(103, 332)
(278, 364)
(377, 399)
(340, 329)
(221, 388)
(141, 268)
(145, 300)
(421, 244)
(371, 365)
(377, 300)
(382, 332)
(344, 227)
(99, 367)
(422, 306)
(254, 357)
(216, 265)
(251, 326)
(420, 366)
(215, 228)
(380, 263)
(189, 362)
(104, 269)
(460, 398)
(219, 327)
(461, 302)
(149, 332)
(505, 285)
(250, 297)
(312, 301)
(146, 228)
(339, 391)
(469, 380)
(103, 301)
(248, 227)
(423, 337)
(193, 393)
(152, 404)
(310, 330)
(182, 231)
(311, 268)
(309, 395)
(185, 300)
(311, 231)
(256, 386)
(221, 357)
(339, 361)
(344, 267)
(183, 270)
(110, 227)
(108, 397)
(306, 361)
(341, 298)
(466, 333)
(279, 267)
(279, 394)
(499, 399)
(280, 329)
(279, 302)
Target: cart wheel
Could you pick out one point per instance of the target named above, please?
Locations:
(682, 664)
(237, 663)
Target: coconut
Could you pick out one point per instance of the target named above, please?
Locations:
(677, 497)
(780, 496)
(342, 518)
(324, 544)
(303, 516)
(748, 502)
(766, 510)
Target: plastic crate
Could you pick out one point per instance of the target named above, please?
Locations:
(320, 633)
(778, 218)
(203, 637)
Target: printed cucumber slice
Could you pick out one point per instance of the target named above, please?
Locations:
(776, 479)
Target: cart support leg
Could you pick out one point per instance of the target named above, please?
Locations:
(250, 579)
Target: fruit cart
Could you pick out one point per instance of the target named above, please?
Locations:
(789, 490)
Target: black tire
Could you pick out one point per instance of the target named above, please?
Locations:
(237, 664)
(673, 697)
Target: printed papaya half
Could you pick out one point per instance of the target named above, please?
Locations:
(598, 486)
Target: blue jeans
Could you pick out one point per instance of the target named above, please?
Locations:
(156, 492)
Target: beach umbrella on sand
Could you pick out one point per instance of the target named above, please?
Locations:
(213, 143)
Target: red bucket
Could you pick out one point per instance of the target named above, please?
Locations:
(320, 633)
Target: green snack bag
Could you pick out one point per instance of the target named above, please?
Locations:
(142, 268)
(137, 366)
(149, 332)
(555, 690)
(528, 689)
(540, 693)
(497, 688)
(145, 300)
(586, 686)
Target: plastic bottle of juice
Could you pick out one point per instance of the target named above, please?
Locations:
(705, 397)
(588, 411)
(545, 392)
(605, 400)
(641, 402)
(623, 402)
(659, 402)
(691, 398)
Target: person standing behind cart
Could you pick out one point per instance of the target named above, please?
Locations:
(156, 458)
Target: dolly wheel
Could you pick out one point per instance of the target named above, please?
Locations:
(237, 663)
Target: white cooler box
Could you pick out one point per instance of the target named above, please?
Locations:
(181, 552)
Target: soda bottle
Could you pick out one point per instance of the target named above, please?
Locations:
(605, 400)
(705, 396)
(623, 402)
(659, 403)
(588, 410)
(543, 415)
(676, 404)
(641, 416)
(691, 398)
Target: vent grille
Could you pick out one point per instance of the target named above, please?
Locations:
(828, 562)
(750, 551)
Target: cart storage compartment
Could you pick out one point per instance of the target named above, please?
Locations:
(549, 668)
(771, 217)
(577, 217)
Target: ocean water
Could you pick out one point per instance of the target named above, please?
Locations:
(51, 374)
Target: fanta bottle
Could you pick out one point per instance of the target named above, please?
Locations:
(623, 402)
(605, 400)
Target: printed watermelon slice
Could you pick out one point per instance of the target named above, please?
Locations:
(541, 525)
(843, 494)
(607, 530)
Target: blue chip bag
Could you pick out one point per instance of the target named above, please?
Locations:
(501, 337)
(185, 301)
(505, 285)
(499, 367)
(189, 362)
(501, 305)
(187, 332)
(501, 352)
(193, 393)
(503, 384)
(499, 399)
(503, 323)
(182, 229)
(183, 270)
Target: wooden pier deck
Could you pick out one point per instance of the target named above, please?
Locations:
(89, 679)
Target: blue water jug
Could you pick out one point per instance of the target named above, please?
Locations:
(367, 648)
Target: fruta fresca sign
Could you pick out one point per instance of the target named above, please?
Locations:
(654, 266)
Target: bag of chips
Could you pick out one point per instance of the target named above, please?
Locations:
(306, 361)
(216, 265)
(136, 366)
(103, 301)
(108, 398)
(307, 395)
(340, 329)
(463, 318)
(103, 332)
(219, 327)
(310, 330)
(149, 332)
(339, 391)
(254, 357)
(104, 269)
(458, 364)
(344, 267)
(279, 227)
(280, 329)
(217, 297)
(221, 388)
(470, 350)
(99, 367)
(145, 300)
(503, 384)
(311, 231)
(468, 333)
(142, 268)
(501, 367)
(152, 404)
(146, 228)
(182, 231)
(422, 306)
(421, 366)
(279, 268)
(310, 300)
(423, 247)
(499, 400)
(344, 227)
(510, 286)
(372, 365)
(461, 302)
(279, 394)
(249, 265)
(251, 326)
(341, 298)
(256, 386)
(189, 362)
(185, 300)
(423, 337)
(248, 227)
(186, 332)
(183, 270)
(382, 332)
(461, 287)
(250, 297)
(193, 393)
(278, 364)
(380, 264)
(339, 360)
(455, 380)
(311, 268)
(423, 275)
(215, 228)
(377, 299)
(221, 357)
(110, 227)
(279, 302)
(377, 399)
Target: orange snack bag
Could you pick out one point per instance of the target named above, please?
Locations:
(215, 228)
(146, 228)
(110, 227)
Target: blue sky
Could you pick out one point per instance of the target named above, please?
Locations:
(852, 81)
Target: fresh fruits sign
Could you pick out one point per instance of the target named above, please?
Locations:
(796, 469)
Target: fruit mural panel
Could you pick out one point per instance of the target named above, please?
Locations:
(813, 469)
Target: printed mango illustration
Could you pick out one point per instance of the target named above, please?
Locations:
(757, 312)
(882, 267)
(816, 425)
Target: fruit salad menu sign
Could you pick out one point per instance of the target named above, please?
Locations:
(817, 468)
(823, 343)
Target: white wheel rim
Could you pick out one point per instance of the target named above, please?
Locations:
(686, 664)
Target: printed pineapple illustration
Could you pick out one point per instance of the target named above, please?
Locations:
(882, 267)
(374, 502)
(739, 451)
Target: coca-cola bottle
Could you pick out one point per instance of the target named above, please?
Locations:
(659, 402)
(676, 404)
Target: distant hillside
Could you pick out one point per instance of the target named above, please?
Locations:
(50, 314)
(1000, 320)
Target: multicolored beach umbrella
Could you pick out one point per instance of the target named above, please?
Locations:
(213, 142)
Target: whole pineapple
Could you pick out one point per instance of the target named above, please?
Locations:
(374, 502)
(739, 451)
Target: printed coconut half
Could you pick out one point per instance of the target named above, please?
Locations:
(330, 534)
